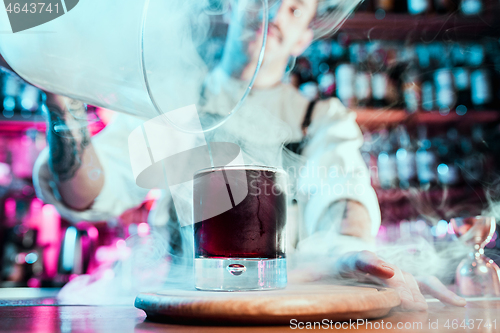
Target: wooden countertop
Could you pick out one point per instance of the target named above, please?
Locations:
(483, 313)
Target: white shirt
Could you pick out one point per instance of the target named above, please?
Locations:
(332, 148)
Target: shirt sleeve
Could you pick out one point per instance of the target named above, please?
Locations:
(335, 169)
(119, 191)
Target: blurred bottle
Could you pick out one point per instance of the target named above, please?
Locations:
(363, 89)
(326, 84)
(425, 159)
(417, 7)
(30, 100)
(475, 55)
(483, 145)
(11, 89)
(21, 257)
(458, 54)
(492, 49)
(480, 81)
(472, 162)
(319, 58)
(462, 83)
(423, 56)
(471, 7)
(380, 79)
(428, 95)
(338, 51)
(412, 90)
(310, 90)
(445, 91)
(385, 5)
(481, 92)
(386, 162)
(369, 152)
(362, 80)
(345, 74)
(405, 158)
(447, 169)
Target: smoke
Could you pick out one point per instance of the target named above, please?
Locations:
(331, 14)
(144, 264)
(420, 257)
(164, 259)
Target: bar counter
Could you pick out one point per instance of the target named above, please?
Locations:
(43, 315)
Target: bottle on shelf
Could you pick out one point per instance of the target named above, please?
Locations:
(445, 91)
(369, 151)
(461, 78)
(458, 54)
(363, 90)
(428, 95)
(386, 5)
(362, 79)
(309, 90)
(30, 100)
(481, 92)
(11, 87)
(482, 144)
(448, 167)
(386, 163)
(425, 159)
(380, 82)
(412, 90)
(472, 162)
(326, 84)
(458, 77)
(405, 159)
(345, 74)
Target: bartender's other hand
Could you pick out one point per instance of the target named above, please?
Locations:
(365, 266)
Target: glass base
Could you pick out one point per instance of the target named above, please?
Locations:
(237, 274)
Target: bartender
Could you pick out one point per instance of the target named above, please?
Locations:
(91, 178)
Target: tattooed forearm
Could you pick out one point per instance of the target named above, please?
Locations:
(67, 137)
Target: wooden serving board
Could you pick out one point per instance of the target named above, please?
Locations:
(308, 302)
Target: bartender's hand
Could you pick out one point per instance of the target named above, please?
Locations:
(365, 266)
(72, 160)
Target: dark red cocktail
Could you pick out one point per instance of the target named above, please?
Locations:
(241, 214)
